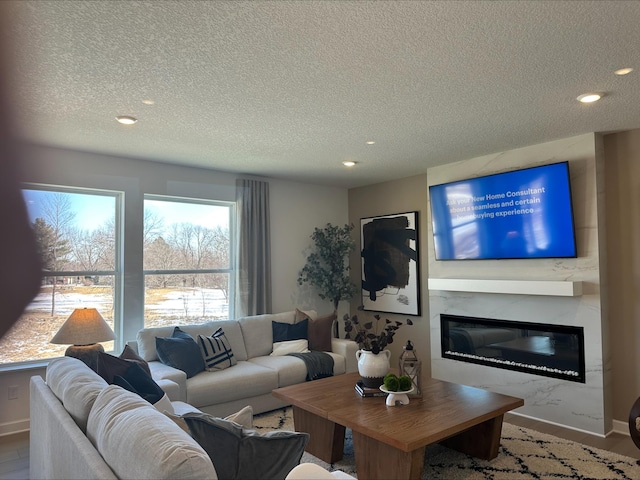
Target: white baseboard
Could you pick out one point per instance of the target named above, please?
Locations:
(618, 426)
(621, 427)
(11, 428)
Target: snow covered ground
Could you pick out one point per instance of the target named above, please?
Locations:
(30, 336)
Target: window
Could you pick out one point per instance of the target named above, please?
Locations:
(188, 265)
(77, 235)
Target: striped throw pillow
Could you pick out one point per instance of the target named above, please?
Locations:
(216, 351)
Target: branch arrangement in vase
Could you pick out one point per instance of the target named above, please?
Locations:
(370, 334)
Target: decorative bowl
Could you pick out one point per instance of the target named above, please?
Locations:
(397, 398)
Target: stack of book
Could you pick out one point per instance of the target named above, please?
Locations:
(368, 392)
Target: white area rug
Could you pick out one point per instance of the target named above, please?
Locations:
(524, 455)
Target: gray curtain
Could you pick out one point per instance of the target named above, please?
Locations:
(254, 248)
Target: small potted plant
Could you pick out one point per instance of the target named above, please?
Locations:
(397, 389)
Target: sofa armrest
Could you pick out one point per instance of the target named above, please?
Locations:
(348, 349)
(171, 388)
(57, 446)
(161, 373)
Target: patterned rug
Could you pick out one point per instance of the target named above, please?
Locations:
(524, 455)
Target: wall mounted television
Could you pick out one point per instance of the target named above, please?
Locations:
(524, 213)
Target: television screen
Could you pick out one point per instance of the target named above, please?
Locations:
(520, 214)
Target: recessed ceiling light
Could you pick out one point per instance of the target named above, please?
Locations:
(148, 102)
(348, 163)
(623, 71)
(589, 97)
(126, 119)
(370, 142)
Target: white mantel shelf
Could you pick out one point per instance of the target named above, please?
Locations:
(518, 287)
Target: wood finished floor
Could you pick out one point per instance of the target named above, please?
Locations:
(14, 449)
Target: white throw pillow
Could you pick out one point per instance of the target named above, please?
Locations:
(290, 346)
(243, 417)
(164, 404)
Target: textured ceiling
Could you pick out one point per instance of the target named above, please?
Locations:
(290, 89)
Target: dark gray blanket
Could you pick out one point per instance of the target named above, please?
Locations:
(319, 364)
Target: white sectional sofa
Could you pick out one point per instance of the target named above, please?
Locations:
(257, 372)
(83, 428)
(68, 440)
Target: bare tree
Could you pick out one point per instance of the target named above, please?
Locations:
(159, 255)
(153, 227)
(59, 215)
(220, 250)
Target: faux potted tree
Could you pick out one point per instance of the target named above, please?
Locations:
(327, 267)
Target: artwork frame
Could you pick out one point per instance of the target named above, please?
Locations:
(390, 273)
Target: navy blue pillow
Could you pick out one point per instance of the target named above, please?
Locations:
(136, 380)
(283, 332)
(180, 351)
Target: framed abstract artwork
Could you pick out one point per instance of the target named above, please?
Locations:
(389, 254)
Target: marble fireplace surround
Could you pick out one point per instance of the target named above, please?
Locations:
(550, 291)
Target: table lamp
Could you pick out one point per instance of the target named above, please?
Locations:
(83, 329)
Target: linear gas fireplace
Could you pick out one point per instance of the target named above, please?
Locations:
(542, 349)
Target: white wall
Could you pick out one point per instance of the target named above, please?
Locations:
(296, 209)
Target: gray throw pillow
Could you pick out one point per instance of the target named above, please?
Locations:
(180, 351)
(239, 453)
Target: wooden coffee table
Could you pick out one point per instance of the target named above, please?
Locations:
(389, 442)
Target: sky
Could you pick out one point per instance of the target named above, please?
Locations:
(92, 211)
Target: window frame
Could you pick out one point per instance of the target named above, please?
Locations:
(232, 268)
(117, 274)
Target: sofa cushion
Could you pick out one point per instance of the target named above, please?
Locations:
(180, 351)
(138, 441)
(319, 332)
(239, 453)
(244, 380)
(290, 370)
(216, 351)
(76, 386)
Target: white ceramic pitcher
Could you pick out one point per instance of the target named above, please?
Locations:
(373, 367)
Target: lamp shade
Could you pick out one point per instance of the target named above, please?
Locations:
(84, 326)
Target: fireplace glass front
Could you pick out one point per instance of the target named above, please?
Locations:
(550, 350)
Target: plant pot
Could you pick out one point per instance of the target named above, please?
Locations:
(373, 367)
